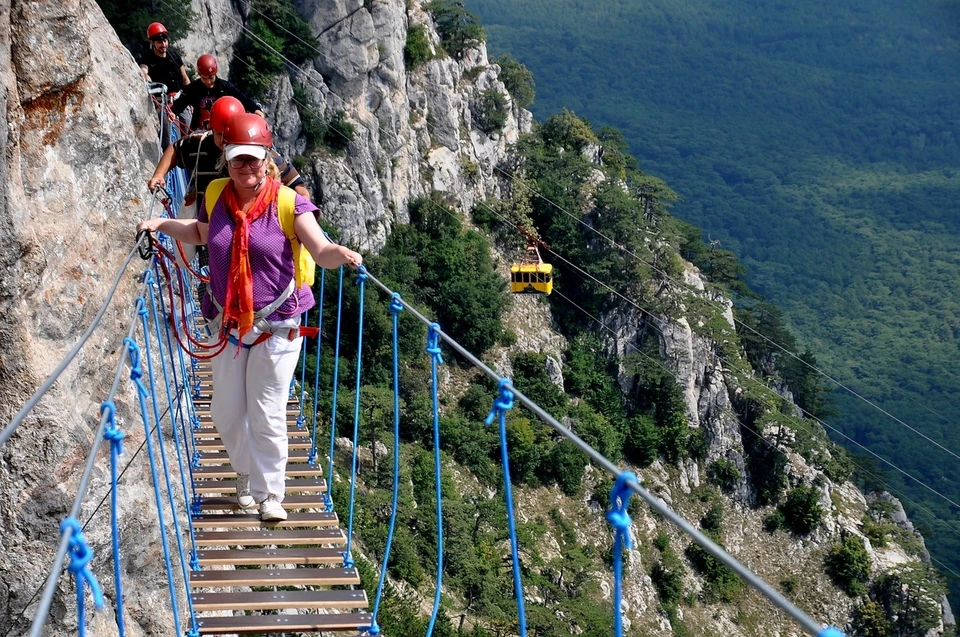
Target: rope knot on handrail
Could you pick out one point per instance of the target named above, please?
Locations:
(433, 342)
(136, 371)
(111, 432)
(396, 306)
(80, 556)
(617, 516)
(502, 403)
(148, 277)
(370, 630)
(361, 274)
(141, 305)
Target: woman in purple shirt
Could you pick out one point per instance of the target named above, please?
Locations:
(251, 293)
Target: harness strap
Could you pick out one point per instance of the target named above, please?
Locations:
(260, 316)
(289, 333)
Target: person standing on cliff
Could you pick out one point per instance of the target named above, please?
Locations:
(202, 95)
(256, 294)
(163, 65)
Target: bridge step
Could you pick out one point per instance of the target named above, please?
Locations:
(280, 599)
(252, 521)
(243, 624)
(275, 577)
(220, 457)
(290, 503)
(298, 485)
(267, 537)
(217, 445)
(294, 470)
(209, 431)
(249, 557)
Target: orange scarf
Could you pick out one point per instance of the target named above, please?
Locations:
(238, 309)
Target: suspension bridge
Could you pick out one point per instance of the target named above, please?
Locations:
(228, 572)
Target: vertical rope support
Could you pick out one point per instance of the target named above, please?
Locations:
(436, 358)
(115, 436)
(312, 458)
(136, 374)
(501, 405)
(619, 519)
(361, 282)
(194, 558)
(80, 556)
(328, 496)
(190, 442)
(396, 306)
(142, 311)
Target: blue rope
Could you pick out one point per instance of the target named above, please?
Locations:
(433, 348)
(501, 405)
(136, 375)
(619, 519)
(115, 436)
(80, 556)
(305, 320)
(312, 458)
(328, 498)
(194, 557)
(395, 307)
(194, 628)
(361, 281)
(830, 631)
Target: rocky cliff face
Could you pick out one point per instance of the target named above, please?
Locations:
(79, 143)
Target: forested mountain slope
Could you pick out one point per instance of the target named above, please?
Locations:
(819, 141)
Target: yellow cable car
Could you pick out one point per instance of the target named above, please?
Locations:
(531, 275)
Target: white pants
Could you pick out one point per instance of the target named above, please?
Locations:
(249, 408)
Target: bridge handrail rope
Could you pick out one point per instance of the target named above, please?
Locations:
(304, 320)
(328, 496)
(113, 434)
(501, 405)
(436, 358)
(50, 586)
(347, 555)
(806, 622)
(312, 458)
(395, 308)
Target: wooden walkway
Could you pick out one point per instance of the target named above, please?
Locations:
(253, 575)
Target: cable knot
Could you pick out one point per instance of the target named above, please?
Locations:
(148, 277)
(395, 305)
(136, 371)
(80, 556)
(371, 630)
(617, 516)
(112, 433)
(362, 275)
(141, 306)
(830, 631)
(502, 403)
(433, 342)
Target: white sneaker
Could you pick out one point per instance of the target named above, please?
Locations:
(244, 499)
(271, 510)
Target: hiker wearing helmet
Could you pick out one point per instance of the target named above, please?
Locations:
(256, 231)
(201, 95)
(161, 63)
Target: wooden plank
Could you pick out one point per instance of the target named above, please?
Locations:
(253, 557)
(294, 470)
(217, 445)
(221, 457)
(210, 431)
(264, 537)
(290, 502)
(297, 485)
(258, 600)
(278, 577)
(252, 521)
(242, 624)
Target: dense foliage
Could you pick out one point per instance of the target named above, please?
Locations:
(416, 50)
(458, 28)
(818, 142)
(848, 563)
(276, 31)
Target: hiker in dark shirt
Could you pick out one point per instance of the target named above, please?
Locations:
(161, 63)
(201, 95)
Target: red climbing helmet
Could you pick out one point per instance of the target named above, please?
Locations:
(247, 134)
(155, 29)
(223, 110)
(207, 64)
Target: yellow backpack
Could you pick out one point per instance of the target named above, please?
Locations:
(303, 266)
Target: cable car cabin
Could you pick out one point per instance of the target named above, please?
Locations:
(531, 278)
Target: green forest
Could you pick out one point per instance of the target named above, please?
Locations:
(820, 142)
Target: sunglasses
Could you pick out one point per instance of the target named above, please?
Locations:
(240, 162)
(159, 38)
